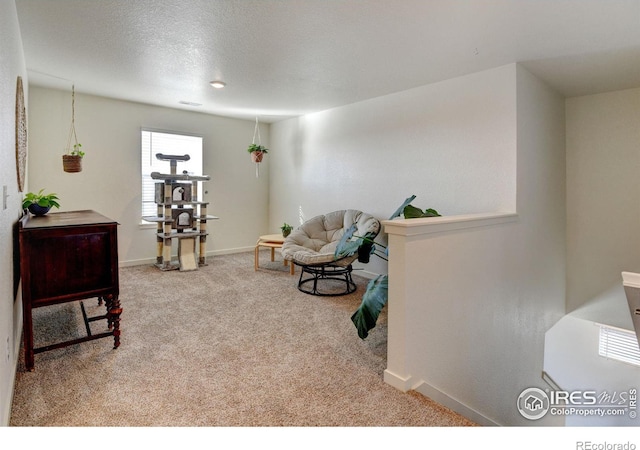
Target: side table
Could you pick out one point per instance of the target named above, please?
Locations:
(271, 241)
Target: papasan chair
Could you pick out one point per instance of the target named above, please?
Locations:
(312, 246)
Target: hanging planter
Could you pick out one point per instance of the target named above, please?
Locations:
(257, 150)
(72, 161)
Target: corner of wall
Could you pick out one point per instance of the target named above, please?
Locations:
(12, 67)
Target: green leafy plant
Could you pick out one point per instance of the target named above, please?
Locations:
(257, 148)
(376, 294)
(373, 300)
(350, 243)
(41, 199)
(76, 150)
(411, 212)
(286, 228)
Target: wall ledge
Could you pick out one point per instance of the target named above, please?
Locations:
(430, 225)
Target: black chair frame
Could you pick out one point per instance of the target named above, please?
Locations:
(323, 272)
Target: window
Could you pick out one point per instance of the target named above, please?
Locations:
(619, 344)
(168, 143)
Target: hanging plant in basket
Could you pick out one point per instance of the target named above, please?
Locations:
(72, 160)
(257, 150)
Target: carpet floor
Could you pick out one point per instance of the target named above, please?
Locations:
(223, 346)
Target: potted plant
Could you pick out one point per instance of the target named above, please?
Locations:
(39, 204)
(257, 151)
(286, 229)
(72, 160)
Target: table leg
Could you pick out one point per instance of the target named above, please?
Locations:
(29, 358)
(113, 317)
(255, 262)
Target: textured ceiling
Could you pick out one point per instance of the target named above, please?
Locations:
(283, 58)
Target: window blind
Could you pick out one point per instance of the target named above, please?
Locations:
(619, 344)
(168, 143)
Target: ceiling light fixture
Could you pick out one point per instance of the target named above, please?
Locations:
(218, 84)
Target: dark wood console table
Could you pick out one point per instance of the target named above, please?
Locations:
(65, 257)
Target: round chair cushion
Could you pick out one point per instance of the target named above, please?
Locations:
(315, 241)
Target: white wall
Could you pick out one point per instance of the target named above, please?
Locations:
(580, 367)
(603, 215)
(456, 331)
(477, 302)
(603, 186)
(472, 330)
(12, 65)
(109, 131)
(449, 143)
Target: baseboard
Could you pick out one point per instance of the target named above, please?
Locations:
(365, 273)
(403, 384)
(453, 404)
(230, 251)
(137, 262)
(9, 406)
(406, 384)
(151, 261)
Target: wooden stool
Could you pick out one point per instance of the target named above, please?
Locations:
(272, 241)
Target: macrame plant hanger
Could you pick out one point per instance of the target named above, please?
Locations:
(72, 129)
(72, 159)
(256, 132)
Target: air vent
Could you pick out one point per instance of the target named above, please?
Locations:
(619, 344)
